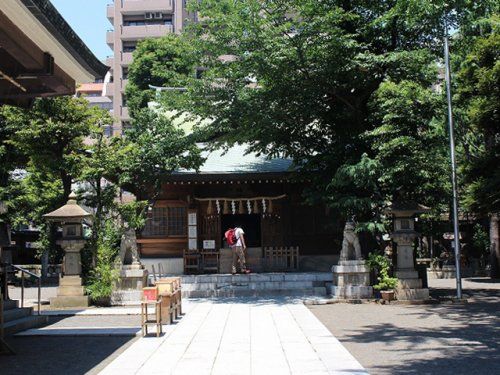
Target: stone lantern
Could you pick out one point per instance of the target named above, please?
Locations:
(70, 292)
(404, 234)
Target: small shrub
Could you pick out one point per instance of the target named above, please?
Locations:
(381, 265)
(104, 275)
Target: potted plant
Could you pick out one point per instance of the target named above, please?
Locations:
(386, 284)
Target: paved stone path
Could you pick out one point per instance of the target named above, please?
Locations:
(240, 336)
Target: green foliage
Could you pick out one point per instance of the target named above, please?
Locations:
(381, 264)
(167, 61)
(480, 240)
(340, 87)
(478, 99)
(152, 149)
(101, 279)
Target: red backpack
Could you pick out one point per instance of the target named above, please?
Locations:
(231, 236)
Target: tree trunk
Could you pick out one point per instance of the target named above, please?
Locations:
(495, 246)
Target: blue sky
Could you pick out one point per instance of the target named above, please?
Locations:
(88, 19)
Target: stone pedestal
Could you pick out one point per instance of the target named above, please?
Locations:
(409, 285)
(70, 294)
(351, 280)
(128, 289)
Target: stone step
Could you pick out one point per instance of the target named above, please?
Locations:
(267, 285)
(10, 304)
(13, 314)
(315, 291)
(25, 323)
(256, 277)
(351, 292)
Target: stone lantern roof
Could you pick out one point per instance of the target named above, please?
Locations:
(71, 211)
(406, 209)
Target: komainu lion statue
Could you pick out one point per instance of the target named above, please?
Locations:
(350, 243)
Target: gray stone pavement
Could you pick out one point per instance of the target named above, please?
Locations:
(240, 336)
(423, 339)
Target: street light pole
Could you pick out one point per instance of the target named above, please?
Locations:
(453, 162)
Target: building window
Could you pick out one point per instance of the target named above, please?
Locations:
(166, 221)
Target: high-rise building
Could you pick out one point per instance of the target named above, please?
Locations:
(133, 21)
(93, 92)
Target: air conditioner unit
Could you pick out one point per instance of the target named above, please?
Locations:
(149, 16)
(158, 15)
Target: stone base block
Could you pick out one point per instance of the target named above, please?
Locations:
(409, 284)
(412, 294)
(70, 290)
(406, 274)
(70, 281)
(126, 297)
(61, 302)
(352, 292)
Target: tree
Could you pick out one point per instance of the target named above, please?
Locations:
(478, 98)
(152, 149)
(49, 143)
(166, 61)
(307, 79)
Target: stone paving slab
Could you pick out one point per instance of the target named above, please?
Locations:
(240, 336)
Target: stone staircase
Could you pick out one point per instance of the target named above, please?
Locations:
(256, 285)
(18, 319)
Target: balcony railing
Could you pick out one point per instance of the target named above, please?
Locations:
(109, 61)
(110, 12)
(145, 31)
(110, 38)
(110, 89)
(141, 6)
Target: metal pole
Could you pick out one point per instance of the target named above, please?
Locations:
(453, 162)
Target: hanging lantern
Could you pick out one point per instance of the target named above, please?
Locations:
(210, 208)
(264, 206)
(226, 208)
(217, 203)
(256, 207)
(233, 207)
(249, 207)
(241, 208)
(270, 208)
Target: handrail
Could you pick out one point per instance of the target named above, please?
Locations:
(39, 279)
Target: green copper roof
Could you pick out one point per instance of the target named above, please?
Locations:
(236, 160)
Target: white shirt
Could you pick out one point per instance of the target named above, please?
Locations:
(238, 232)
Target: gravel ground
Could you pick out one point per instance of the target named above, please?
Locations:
(423, 339)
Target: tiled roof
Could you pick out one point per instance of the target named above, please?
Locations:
(86, 87)
(236, 160)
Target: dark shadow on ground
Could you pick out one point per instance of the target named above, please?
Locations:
(469, 345)
(60, 355)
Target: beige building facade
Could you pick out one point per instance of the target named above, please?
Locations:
(133, 21)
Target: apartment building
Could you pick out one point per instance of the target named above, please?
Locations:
(133, 21)
(93, 93)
